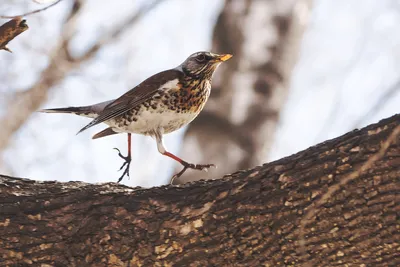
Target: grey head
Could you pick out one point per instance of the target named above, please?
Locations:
(202, 64)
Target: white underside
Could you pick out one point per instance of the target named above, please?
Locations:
(149, 122)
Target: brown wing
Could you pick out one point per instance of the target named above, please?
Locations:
(106, 132)
(135, 96)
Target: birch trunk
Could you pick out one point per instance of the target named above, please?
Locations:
(236, 129)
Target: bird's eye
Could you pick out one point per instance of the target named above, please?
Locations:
(201, 58)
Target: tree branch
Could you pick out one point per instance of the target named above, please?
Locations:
(118, 32)
(10, 30)
(61, 64)
(379, 104)
(24, 104)
(312, 213)
(248, 218)
(31, 12)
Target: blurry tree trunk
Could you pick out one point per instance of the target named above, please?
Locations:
(236, 129)
(334, 204)
(61, 62)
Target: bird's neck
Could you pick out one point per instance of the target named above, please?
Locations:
(196, 80)
(202, 76)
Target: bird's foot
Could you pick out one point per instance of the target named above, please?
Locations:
(200, 167)
(125, 165)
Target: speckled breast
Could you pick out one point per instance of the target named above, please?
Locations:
(166, 110)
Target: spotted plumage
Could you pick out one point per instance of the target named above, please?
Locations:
(163, 103)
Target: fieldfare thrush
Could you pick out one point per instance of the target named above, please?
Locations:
(163, 103)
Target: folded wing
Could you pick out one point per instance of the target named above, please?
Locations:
(137, 96)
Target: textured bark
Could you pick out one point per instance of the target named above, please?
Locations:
(10, 30)
(271, 215)
(241, 115)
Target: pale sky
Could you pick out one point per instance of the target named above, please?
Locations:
(350, 56)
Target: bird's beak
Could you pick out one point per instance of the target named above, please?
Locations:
(223, 57)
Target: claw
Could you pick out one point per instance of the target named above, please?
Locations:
(125, 165)
(126, 172)
(171, 182)
(200, 167)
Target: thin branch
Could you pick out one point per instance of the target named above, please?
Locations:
(24, 104)
(59, 66)
(117, 32)
(10, 30)
(334, 188)
(379, 104)
(336, 102)
(31, 12)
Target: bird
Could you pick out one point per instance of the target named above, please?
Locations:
(161, 104)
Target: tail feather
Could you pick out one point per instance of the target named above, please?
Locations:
(105, 132)
(81, 111)
(86, 111)
(64, 110)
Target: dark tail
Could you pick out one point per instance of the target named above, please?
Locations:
(81, 111)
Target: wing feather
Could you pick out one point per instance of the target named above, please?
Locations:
(135, 96)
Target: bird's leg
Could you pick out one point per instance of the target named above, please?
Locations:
(186, 165)
(127, 159)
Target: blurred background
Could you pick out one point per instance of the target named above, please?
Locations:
(303, 72)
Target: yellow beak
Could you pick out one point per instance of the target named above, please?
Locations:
(223, 57)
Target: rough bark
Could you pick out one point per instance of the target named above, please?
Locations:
(10, 30)
(334, 204)
(248, 93)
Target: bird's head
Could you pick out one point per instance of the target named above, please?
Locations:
(203, 64)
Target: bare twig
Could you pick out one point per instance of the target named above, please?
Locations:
(379, 104)
(10, 30)
(334, 188)
(116, 33)
(23, 105)
(337, 102)
(31, 12)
